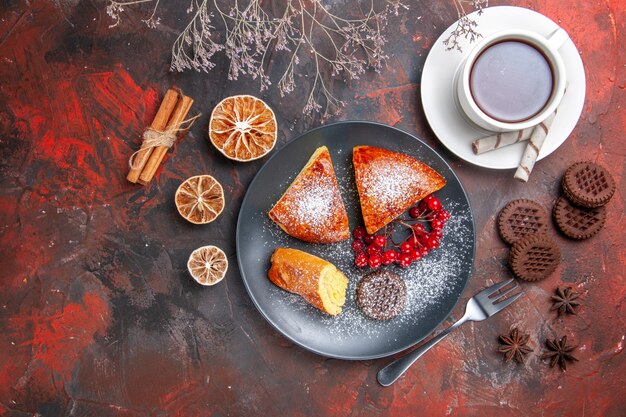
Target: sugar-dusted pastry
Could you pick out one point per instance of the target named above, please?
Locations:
(318, 281)
(389, 183)
(312, 209)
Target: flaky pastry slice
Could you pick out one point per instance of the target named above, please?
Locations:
(312, 209)
(389, 183)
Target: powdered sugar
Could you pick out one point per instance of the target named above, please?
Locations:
(429, 281)
(391, 182)
(313, 207)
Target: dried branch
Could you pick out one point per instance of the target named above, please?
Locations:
(305, 32)
(115, 8)
(465, 26)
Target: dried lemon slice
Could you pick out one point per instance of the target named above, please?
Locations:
(200, 199)
(208, 265)
(243, 128)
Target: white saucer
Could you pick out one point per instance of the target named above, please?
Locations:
(452, 128)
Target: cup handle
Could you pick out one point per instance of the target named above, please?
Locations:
(558, 38)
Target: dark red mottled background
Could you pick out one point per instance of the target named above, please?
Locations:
(99, 317)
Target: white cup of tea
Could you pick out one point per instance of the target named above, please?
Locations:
(512, 80)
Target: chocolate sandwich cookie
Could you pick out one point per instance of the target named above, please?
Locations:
(577, 222)
(381, 295)
(520, 218)
(588, 185)
(534, 257)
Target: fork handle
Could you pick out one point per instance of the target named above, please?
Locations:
(390, 373)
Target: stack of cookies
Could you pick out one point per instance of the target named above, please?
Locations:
(523, 224)
(580, 212)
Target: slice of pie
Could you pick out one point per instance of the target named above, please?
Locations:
(312, 209)
(389, 183)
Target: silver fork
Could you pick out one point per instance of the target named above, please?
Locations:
(481, 306)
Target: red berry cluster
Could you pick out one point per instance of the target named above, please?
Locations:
(377, 250)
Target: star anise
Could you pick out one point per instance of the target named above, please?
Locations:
(514, 346)
(565, 300)
(559, 352)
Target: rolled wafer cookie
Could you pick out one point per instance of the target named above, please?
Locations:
(531, 153)
(500, 140)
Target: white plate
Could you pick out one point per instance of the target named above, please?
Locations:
(447, 121)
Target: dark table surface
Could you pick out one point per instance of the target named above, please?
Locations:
(99, 316)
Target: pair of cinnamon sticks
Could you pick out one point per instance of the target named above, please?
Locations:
(170, 117)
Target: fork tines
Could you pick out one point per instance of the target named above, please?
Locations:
(504, 293)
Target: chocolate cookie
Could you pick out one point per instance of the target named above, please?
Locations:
(521, 218)
(577, 222)
(381, 295)
(588, 185)
(534, 257)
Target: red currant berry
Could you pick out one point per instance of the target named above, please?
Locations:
(414, 212)
(438, 234)
(359, 233)
(373, 249)
(380, 241)
(434, 204)
(405, 260)
(436, 224)
(443, 215)
(406, 247)
(369, 238)
(361, 260)
(375, 261)
(416, 254)
(418, 228)
(358, 245)
(390, 255)
(428, 197)
(423, 206)
(432, 243)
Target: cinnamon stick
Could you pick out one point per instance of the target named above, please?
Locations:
(178, 116)
(159, 123)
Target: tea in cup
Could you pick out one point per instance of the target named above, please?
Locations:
(512, 80)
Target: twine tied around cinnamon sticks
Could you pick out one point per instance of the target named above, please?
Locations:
(153, 138)
(167, 125)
